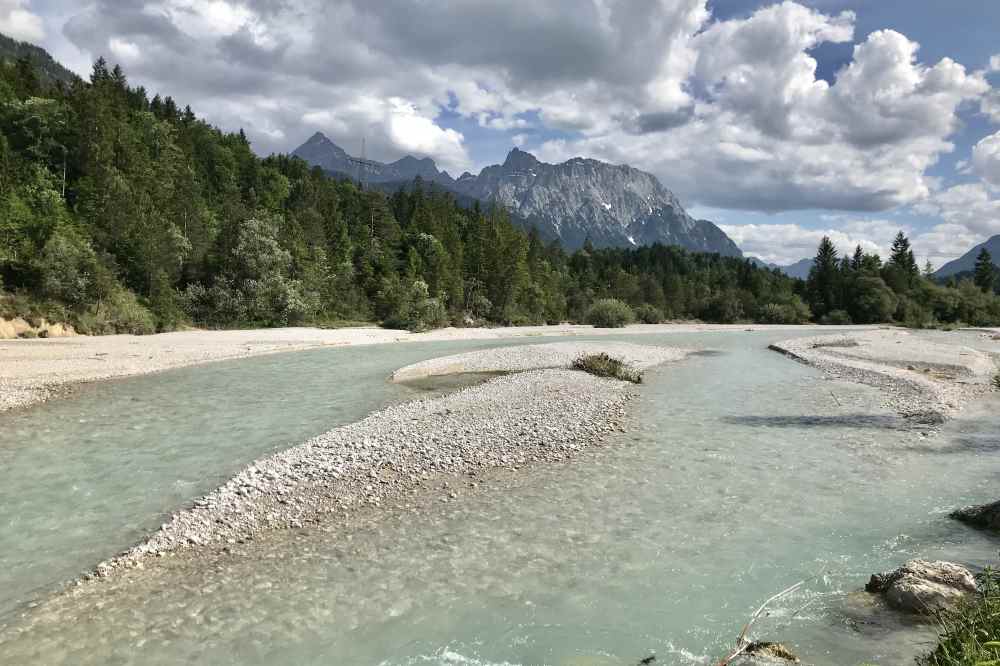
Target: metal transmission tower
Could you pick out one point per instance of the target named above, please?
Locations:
(364, 166)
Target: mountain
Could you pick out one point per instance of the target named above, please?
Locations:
(50, 71)
(967, 262)
(612, 205)
(800, 269)
(320, 151)
(760, 263)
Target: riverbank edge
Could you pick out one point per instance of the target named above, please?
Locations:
(35, 371)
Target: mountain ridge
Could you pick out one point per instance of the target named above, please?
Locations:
(575, 201)
(967, 262)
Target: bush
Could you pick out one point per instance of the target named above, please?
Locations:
(836, 318)
(411, 308)
(648, 314)
(609, 313)
(602, 365)
(971, 633)
(793, 312)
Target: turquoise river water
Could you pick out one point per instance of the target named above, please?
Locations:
(742, 473)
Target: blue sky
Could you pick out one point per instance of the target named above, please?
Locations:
(781, 122)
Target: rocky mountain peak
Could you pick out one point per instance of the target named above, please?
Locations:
(518, 160)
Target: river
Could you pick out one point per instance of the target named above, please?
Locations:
(743, 472)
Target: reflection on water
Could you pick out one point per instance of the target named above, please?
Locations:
(723, 492)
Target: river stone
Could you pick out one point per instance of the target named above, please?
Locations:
(766, 652)
(985, 516)
(923, 587)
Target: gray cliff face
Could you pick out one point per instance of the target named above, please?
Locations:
(612, 205)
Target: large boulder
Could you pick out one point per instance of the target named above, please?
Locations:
(985, 516)
(923, 587)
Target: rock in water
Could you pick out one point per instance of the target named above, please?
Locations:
(769, 653)
(985, 516)
(923, 587)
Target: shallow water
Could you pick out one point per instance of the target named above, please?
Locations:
(84, 478)
(744, 472)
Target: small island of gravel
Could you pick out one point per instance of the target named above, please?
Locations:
(542, 412)
(923, 381)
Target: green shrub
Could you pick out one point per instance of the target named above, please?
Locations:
(609, 313)
(411, 307)
(603, 365)
(970, 635)
(795, 311)
(648, 314)
(836, 318)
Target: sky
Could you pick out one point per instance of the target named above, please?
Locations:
(781, 122)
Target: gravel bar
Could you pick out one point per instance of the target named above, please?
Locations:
(521, 419)
(923, 381)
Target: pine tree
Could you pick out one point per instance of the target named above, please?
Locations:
(824, 280)
(858, 260)
(902, 256)
(986, 273)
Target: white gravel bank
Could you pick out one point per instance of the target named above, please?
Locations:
(536, 357)
(515, 420)
(925, 381)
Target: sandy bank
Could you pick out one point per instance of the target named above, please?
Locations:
(32, 371)
(533, 416)
(922, 380)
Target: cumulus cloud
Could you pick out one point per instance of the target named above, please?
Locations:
(986, 159)
(18, 21)
(785, 244)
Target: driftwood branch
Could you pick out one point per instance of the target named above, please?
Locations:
(741, 642)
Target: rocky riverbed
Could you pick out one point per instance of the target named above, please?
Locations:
(924, 381)
(533, 416)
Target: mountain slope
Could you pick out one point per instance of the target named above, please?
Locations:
(612, 205)
(50, 72)
(800, 269)
(967, 262)
(320, 151)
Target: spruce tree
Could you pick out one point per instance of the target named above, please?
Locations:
(986, 273)
(823, 285)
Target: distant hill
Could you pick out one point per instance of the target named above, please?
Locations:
(50, 71)
(967, 262)
(800, 269)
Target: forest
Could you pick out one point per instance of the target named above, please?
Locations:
(121, 212)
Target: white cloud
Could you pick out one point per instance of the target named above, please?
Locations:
(18, 21)
(995, 63)
(127, 52)
(785, 244)
(421, 136)
(986, 159)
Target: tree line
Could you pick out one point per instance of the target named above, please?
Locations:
(861, 289)
(121, 212)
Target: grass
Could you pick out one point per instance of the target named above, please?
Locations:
(996, 381)
(603, 365)
(970, 635)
